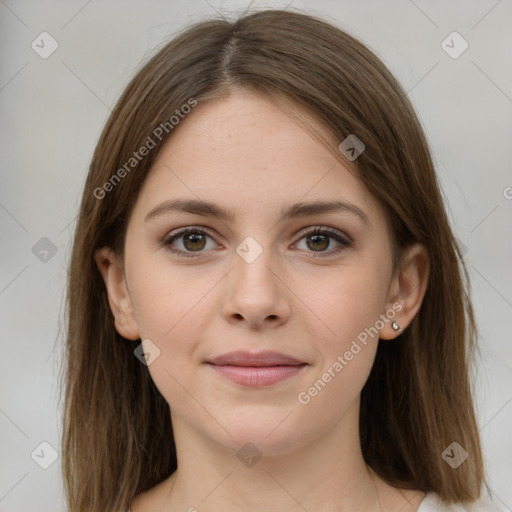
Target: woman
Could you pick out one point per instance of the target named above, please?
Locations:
(267, 307)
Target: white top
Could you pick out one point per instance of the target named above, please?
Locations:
(432, 503)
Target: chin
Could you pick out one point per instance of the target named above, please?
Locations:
(265, 433)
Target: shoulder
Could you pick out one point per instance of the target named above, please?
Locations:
(432, 503)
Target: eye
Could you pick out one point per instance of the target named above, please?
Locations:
(319, 239)
(191, 239)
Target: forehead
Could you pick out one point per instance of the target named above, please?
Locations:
(247, 152)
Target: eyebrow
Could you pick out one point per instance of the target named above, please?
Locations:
(208, 209)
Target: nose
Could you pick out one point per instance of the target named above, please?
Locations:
(257, 293)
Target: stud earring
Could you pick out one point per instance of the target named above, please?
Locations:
(396, 326)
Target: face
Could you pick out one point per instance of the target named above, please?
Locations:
(301, 282)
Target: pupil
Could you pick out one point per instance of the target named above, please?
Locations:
(319, 239)
(194, 238)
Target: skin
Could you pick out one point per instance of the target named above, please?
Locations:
(246, 154)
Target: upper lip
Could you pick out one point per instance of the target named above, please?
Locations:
(266, 358)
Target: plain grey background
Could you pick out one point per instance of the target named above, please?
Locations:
(52, 112)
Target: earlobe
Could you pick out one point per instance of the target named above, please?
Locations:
(118, 296)
(407, 290)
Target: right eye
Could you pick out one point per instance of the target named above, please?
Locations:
(193, 240)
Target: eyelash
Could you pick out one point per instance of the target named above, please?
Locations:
(344, 241)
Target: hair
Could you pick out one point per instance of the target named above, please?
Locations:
(117, 436)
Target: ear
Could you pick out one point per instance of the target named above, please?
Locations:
(407, 289)
(118, 296)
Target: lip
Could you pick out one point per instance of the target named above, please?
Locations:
(256, 369)
(244, 358)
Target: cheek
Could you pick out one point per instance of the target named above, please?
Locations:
(173, 307)
(350, 301)
(167, 296)
(350, 305)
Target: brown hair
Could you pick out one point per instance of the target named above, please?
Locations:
(117, 435)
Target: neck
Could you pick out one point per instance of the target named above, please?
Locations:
(327, 474)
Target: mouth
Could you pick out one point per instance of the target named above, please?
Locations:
(256, 370)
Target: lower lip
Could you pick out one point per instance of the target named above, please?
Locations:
(256, 376)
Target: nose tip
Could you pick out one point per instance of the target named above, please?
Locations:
(256, 295)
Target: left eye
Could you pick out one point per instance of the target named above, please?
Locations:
(194, 240)
(319, 239)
